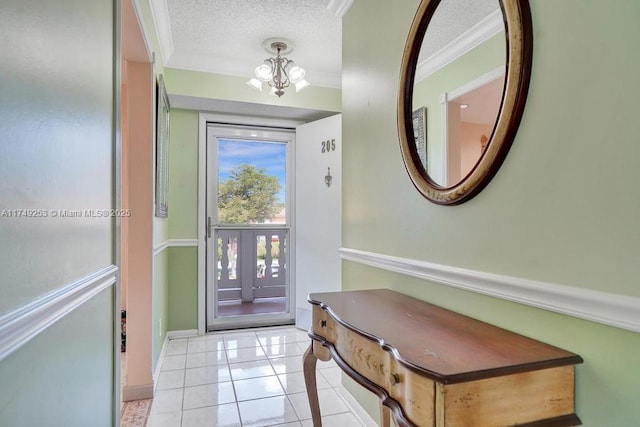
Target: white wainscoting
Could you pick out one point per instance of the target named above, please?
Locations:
(175, 243)
(20, 326)
(602, 307)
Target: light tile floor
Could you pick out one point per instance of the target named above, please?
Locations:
(249, 377)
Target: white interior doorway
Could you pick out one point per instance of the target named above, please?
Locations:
(135, 239)
(469, 114)
(313, 215)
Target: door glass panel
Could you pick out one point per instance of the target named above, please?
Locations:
(251, 182)
(250, 231)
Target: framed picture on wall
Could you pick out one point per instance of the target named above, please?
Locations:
(162, 150)
(420, 133)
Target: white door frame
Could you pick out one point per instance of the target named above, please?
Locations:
(204, 119)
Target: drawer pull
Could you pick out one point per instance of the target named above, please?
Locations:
(323, 323)
(394, 379)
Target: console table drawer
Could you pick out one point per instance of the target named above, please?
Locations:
(507, 400)
(369, 360)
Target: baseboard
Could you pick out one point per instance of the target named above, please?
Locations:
(137, 392)
(303, 318)
(156, 371)
(168, 336)
(182, 334)
(355, 407)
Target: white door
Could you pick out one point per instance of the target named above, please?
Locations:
(249, 226)
(318, 210)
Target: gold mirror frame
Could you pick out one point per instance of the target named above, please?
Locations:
(519, 49)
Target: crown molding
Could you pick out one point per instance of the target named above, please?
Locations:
(162, 25)
(609, 309)
(470, 39)
(339, 7)
(225, 66)
(137, 9)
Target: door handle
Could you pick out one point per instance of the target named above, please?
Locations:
(209, 226)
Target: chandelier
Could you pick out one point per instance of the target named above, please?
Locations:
(278, 72)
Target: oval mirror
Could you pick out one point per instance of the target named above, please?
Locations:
(464, 81)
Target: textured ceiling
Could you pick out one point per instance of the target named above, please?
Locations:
(451, 19)
(225, 36)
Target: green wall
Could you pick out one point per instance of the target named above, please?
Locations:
(561, 209)
(183, 172)
(56, 149)
(183, 289)
(56, 155)
(64, 376)
(217, 86)
(183, 220)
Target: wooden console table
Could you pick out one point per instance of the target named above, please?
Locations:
(433, 367)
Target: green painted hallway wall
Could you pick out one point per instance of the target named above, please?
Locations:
(56, 156)
(543, 217)
(183, 288)
(183, 221)
(562, 208)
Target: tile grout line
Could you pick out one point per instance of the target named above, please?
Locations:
(267, 358)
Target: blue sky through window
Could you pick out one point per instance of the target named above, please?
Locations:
(268, 155)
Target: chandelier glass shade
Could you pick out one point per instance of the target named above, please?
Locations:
(278, 72)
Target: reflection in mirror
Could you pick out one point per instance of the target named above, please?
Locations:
(467, 124)
(463, 86)
(458, 87)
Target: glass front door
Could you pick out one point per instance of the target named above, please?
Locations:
(249, 237)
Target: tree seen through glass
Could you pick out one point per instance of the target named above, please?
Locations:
(251, 182)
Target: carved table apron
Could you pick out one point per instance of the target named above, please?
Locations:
(433, 367)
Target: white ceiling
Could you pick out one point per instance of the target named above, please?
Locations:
(452, 19)
(225, 36)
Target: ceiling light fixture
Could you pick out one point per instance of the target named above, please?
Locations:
(278, 72)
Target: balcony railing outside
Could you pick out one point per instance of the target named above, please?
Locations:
(252, 263)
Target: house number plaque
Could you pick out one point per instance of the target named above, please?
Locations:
(328, 145)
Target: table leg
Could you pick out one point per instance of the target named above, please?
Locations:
(385, 418)
(309, 362)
